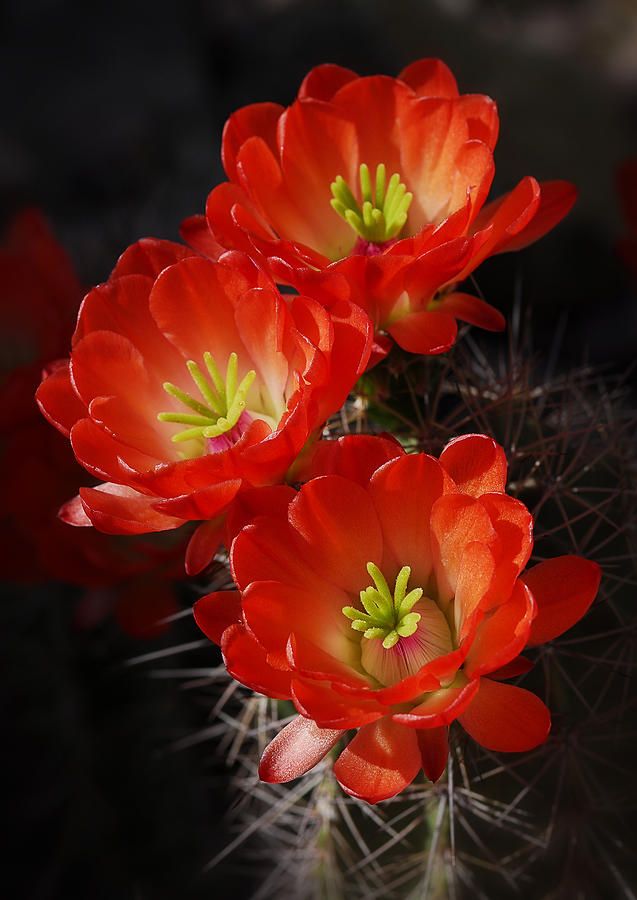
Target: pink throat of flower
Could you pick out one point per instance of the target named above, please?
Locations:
(370, 248)
(229, 438)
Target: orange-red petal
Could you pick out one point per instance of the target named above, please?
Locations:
(217, 611)
(58, 401)
(556, 201)
(473, 310)
(506, 718)
(441, 707)
(430, 77)
(428, 333)
(295, 750)
(322, 82)
(246, 661)
(117, 509)
(403, 493)
(203, 545)
(318, 700)
(502, 634)
(338, 529)
(380, 761)
(434, 751)
(564, 589)
(476, 463)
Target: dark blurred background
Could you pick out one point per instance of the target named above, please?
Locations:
(111, 122)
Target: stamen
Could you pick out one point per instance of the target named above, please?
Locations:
(225, 400)
(383, 212)
(386, 616)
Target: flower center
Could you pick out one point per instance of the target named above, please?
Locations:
(224, 400)
(384, 209)
(386, 616)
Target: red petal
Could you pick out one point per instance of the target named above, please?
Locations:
(58, 401)
(104, 365)
(440, 707)
(197, 234)
(233, 219)
(103, 456)
(149, 257)
(262, 179)
(353, 335)
(403, 493)
(477, 464)
(310, 661)
(502, 634)
(506, 718)
(274, 610)
(204, 318)
(353, 456)
(317, 144)
(441, 162)
(256, 120)
(73, 513)
(322, 82)
(296, 750)
(203, 503)
(482, 118)
(434, 751)
(269, 550)
(339, 530)
(556, 201)
(474, 586)
(121, 306)
(518, 666)
(424, 332)
(269, 500)
(563, 589)
(318, 701)
(216, 612)
(116, 509)
(203, 545)
(379, 762)
(430, 78)
(513, 525)
(432, 268)
(457, 521)
(246, 661)
(374, 104)
(473, 310)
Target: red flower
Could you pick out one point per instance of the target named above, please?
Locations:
(188, 383)
(375, 187)
(389, 598)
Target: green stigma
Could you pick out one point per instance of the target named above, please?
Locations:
(386, 617)
(383, 213)
(225, 400)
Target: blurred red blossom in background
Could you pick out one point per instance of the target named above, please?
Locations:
(39, 298)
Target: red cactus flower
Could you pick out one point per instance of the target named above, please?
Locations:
(389, 598)
(188, 383)
(379, 183)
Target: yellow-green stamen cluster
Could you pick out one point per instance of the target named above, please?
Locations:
(383, 212)
(386, 617)
(225, 400)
